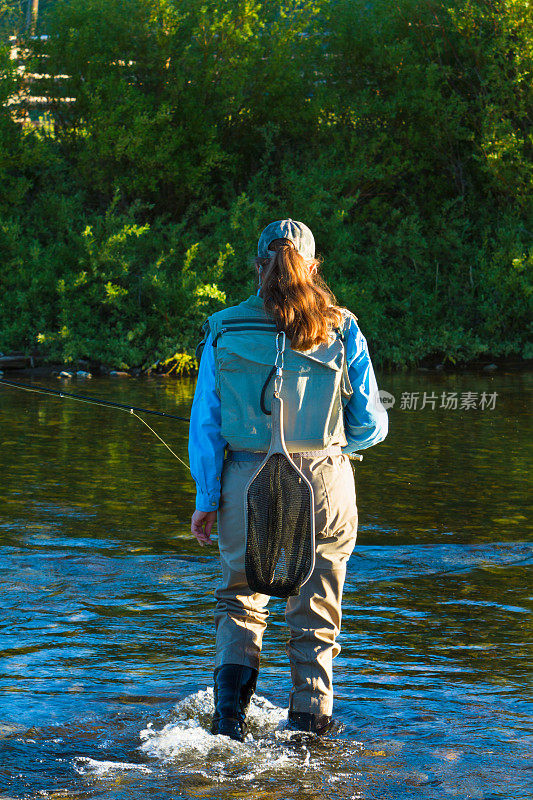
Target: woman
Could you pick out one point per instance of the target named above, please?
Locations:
(229, 434)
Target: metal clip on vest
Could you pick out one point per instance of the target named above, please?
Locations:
(279, 362)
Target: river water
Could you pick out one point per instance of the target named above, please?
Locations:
(106, 608)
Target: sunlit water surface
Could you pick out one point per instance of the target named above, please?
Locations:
(106, 610)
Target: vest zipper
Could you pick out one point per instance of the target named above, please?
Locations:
(254, 320)
(236, 326)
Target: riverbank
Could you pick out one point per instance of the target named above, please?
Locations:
(28, 367)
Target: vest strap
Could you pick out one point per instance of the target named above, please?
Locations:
(249, 455)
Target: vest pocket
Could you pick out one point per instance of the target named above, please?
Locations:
(313, 419)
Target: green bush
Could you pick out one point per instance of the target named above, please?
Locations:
(400, 133)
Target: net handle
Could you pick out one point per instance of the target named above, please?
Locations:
(277, 439)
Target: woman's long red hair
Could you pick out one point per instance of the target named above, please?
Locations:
(297, 297)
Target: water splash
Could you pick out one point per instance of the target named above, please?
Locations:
(268, 746)
(90, 766)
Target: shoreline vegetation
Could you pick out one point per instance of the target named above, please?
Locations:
(145, 143)
(28, 367)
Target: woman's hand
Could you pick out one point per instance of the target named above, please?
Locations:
(201, 525)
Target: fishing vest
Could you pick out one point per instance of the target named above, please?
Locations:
(315, 382)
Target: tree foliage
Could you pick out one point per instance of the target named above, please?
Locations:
(400, 133)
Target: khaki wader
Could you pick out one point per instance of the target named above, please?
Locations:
(314, 616)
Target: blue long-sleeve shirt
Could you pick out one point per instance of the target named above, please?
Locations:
(365, 419)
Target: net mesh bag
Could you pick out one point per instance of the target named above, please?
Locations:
(280, 535)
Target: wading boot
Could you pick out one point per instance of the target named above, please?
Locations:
(309, 723)
(233, 690)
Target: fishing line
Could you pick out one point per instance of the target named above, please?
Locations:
(158, 436)
(100, 402)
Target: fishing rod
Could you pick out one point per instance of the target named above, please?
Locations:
(83, 398)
